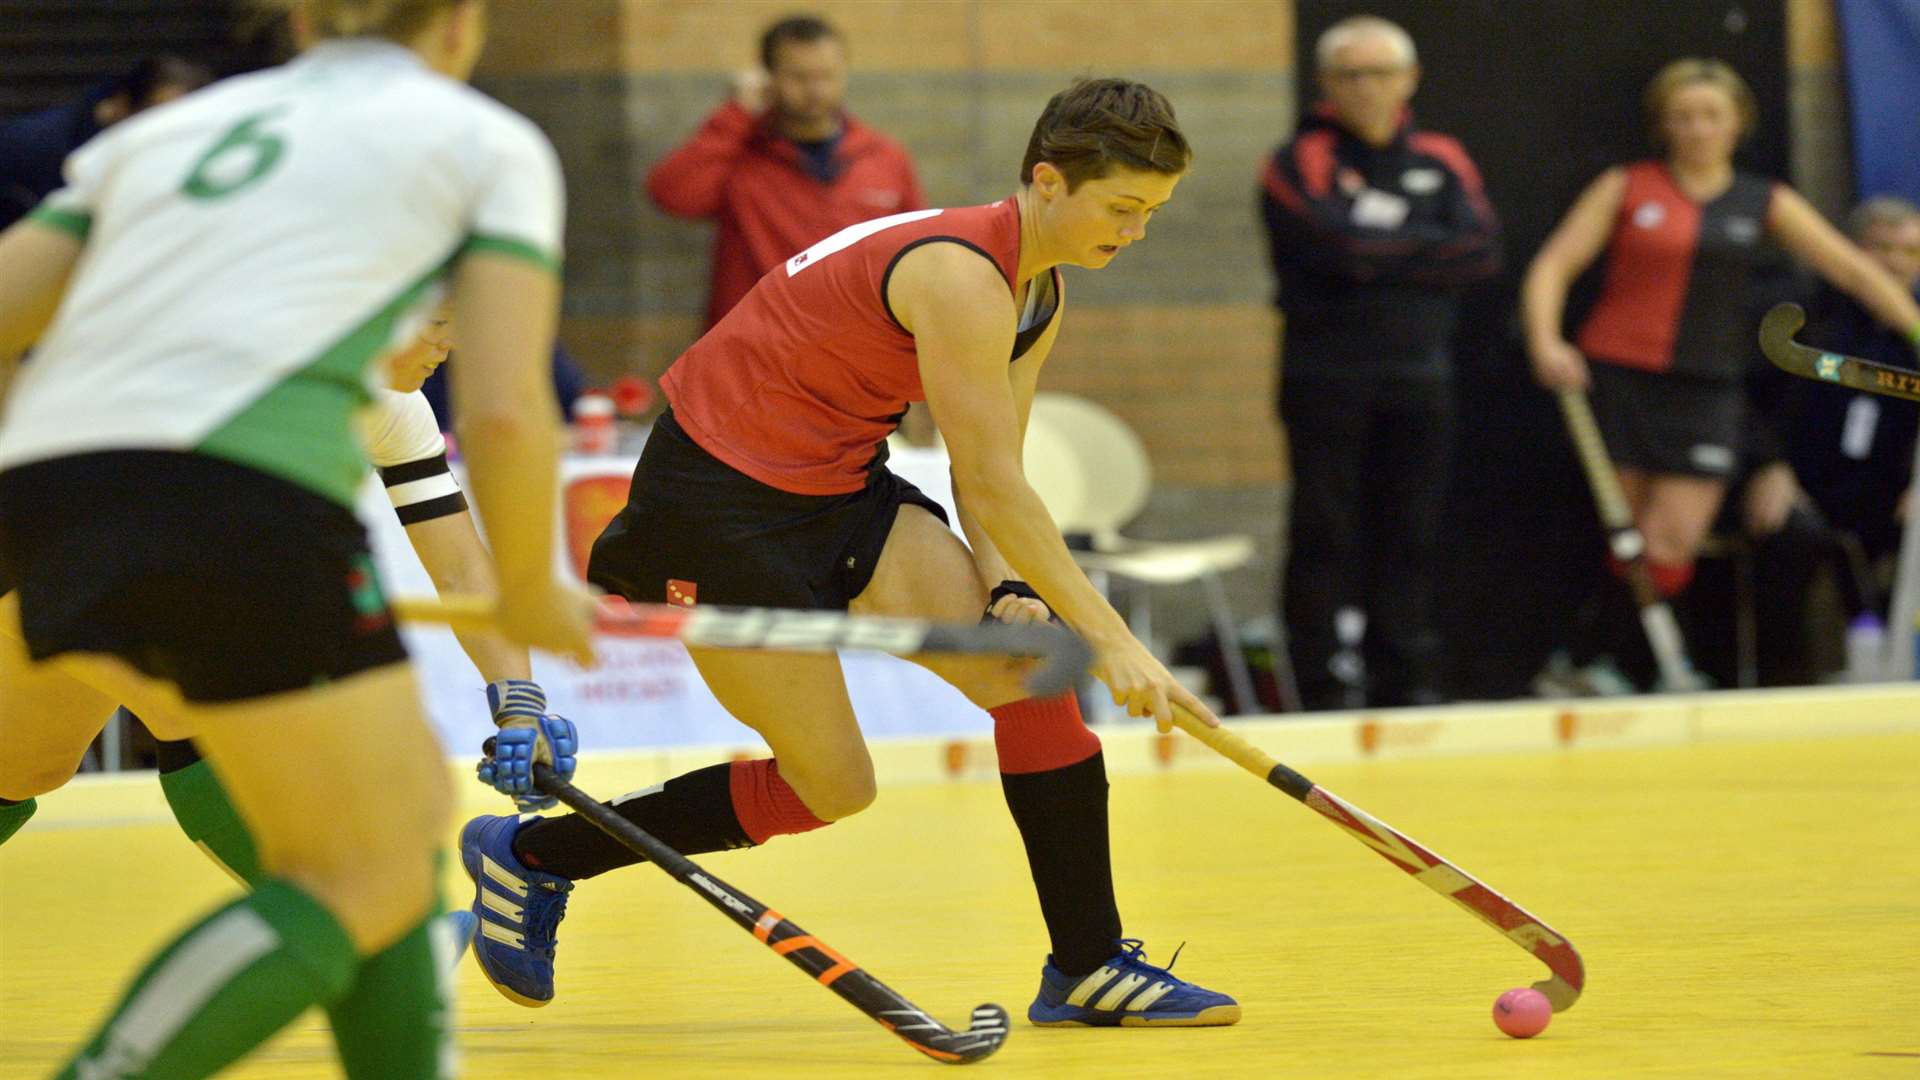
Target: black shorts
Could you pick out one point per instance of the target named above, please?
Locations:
(225, 581)
(694, 519)
(1664, 423)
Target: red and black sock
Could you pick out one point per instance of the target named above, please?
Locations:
(736, 805)
(1055, 781)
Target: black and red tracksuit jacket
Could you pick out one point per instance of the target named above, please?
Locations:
(1372, 247)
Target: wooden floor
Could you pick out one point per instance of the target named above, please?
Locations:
(1745, 910)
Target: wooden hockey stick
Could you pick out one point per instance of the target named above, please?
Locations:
(1568, 974)
(1627, 545)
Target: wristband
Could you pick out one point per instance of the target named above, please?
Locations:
(1913, 336)
(1012, 587)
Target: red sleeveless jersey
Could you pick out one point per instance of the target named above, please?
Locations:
(801, 383)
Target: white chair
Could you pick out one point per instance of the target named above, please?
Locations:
(1092, 472)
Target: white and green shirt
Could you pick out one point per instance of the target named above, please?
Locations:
(250, 249)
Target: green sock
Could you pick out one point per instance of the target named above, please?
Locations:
(394, 1021)
(223, 988)
(208, 818)
(13, 815)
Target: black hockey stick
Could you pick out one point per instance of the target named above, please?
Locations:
(1063, 656)
(1776, 340)
(806, 952)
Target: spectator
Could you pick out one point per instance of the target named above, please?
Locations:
(1833, 467)
(781, 164)
(1375, 228)
(1852, 453)
(1670, 337)
(33, 147)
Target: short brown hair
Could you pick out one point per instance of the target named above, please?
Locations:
(395, 19)
(1688, 71)
(1096, 124)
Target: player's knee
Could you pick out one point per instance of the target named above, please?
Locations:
(40, 766)
(21, 780)
(841, 794)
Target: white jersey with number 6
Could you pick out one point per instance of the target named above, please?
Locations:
(252, 248)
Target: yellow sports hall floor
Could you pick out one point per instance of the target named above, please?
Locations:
(1745, 910)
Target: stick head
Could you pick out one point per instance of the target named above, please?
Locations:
(981, 1038)
(1777, 328)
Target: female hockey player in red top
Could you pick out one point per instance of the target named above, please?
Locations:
(766, 484)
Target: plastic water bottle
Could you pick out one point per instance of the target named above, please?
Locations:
(593, 424)
(1866, 648)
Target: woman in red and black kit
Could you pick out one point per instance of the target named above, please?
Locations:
(1665, 348)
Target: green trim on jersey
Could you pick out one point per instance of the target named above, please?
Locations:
(67, 221)
(519, 249)
(301, 429)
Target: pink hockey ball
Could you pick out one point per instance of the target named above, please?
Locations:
(1522, 1013)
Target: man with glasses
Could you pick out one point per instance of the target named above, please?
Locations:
(1375, 228)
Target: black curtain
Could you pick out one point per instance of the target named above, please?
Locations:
(1544, 96)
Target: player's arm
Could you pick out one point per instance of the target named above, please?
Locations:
(956, 306)
(449, 547)
(1802, 231)
(35, 262)
(1574, 244)
(691, 181)
(1024, 377)
(504, 311)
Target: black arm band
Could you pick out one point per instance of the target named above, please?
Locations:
(1012, 587)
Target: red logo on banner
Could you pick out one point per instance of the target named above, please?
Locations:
(589, 503)
(682, 593)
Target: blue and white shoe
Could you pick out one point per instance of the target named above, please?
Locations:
(519, 910)
(1128, 992)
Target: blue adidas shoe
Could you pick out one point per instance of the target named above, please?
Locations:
(1128, 992)
(519, 910)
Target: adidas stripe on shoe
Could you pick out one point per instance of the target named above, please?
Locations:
(519, 912)
(1126, 991)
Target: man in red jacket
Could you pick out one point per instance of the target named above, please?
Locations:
(782, 165)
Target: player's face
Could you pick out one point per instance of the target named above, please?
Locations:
(1701, 123)
(411, 366)
(1368, 82)
(809, 81)
(1896, 246)
(1103, 215)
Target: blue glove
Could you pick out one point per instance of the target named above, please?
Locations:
(528, 733)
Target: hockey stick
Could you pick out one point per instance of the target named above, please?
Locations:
(1627, 545)
(1776, 340)
(1063, 656)
(1569, 974)
(806, 952)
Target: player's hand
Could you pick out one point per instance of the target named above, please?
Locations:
(751, 89)
(1143, 686)
(1772, 493)
(551, 616)
(1557, 365)
(1016, 604)
(528, 734)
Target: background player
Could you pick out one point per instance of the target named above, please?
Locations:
(176, 488)
(766, 485)
(1671, 332)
